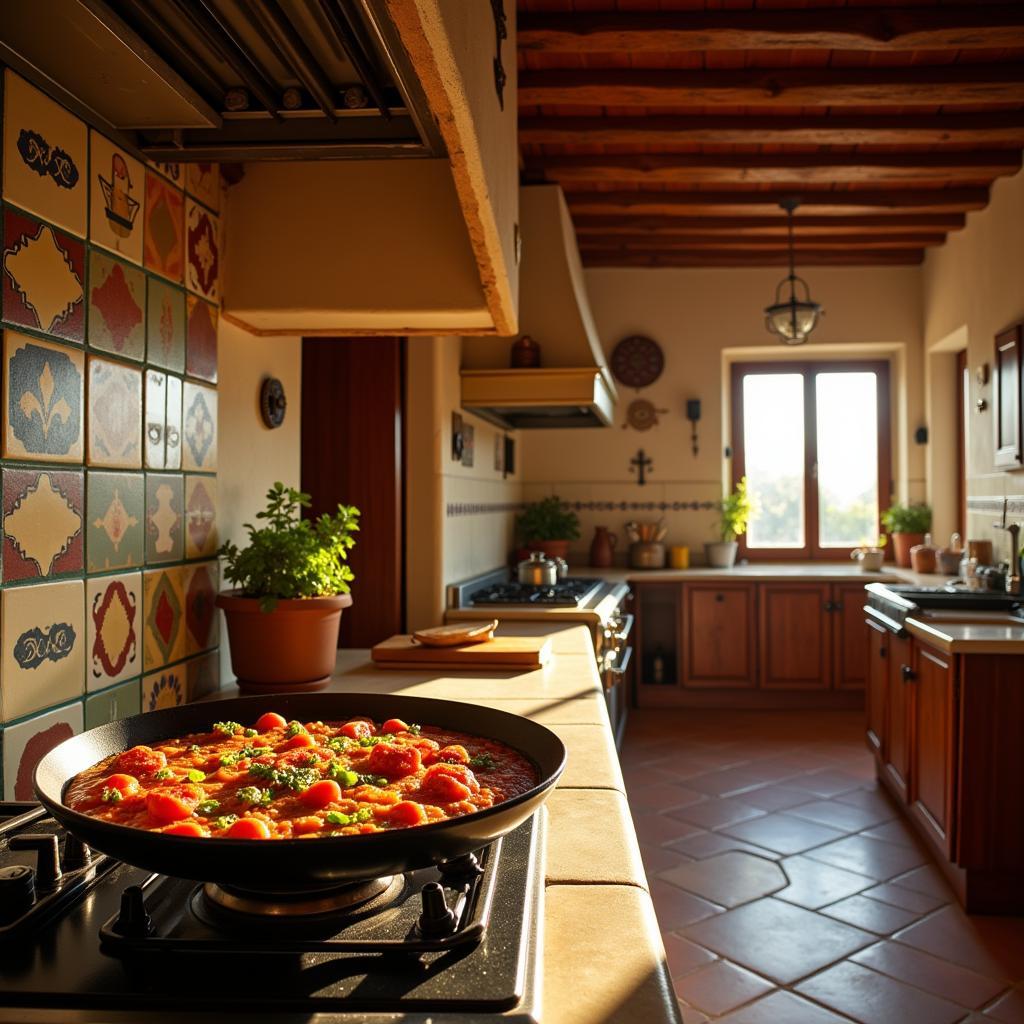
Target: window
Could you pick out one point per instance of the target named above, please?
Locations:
(813, 443)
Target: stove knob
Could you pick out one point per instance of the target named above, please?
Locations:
(436, 920)
(133, 920)
(76, 854)
(48, 872)
(17, 890)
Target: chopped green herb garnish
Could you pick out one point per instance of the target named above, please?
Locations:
(228, 728)
(234, 756)
(195, 749)
(294, 728)
(110, 795)
(372, 780)
(225, 821)
(370, 741)
(163, 773)
(483, 762)
(207, 807)
(364, 814)
(339, 744)
(341, 774)
(254, 795)
(337, 818)
(415, 729)
(195, 775)
(293, 778)
(249, 733)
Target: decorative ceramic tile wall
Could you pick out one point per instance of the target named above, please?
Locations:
(108, 366)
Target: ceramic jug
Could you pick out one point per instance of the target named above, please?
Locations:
(602, 548)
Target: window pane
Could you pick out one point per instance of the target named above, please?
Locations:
(847, 459)
(773, 445)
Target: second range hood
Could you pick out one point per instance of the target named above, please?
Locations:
(573, 386)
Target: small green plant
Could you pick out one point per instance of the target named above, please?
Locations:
(547, 519)
(907, 518)
(291, 556)
(735, 511)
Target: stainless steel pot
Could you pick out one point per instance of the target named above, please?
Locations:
(563, 567)
(538, 570)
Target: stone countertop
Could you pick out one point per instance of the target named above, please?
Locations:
(765, 572)
(977, 633)
(603, 956)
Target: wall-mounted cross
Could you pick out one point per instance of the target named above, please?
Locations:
(640, 465)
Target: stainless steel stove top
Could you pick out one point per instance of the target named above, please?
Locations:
(498, 588)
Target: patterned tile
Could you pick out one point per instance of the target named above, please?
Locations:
(163, 421)
(117, 307)
(166, 689)
(116, 190)
(165, 326)
(45, 151)
(44, 278)
(163, 249)
(202, 675)
(43, 400)
(203, 267)
(199, 450)
(172, 423)
(201, 632)
(174, 172)
(115, 415)
(114, 629)
(42, 634)
(115, 512)
(202, 181)
(164, 629)
(201, 539)
(43, 523)
(27, 743)
(164, 517)
(201, 350)
(113, 704)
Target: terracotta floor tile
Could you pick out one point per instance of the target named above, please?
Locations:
(729, 879)
(895, 831)
(783, 833)
(871, 915)
(775, 798)
(660, 796)
(873, 998)
(659, 858)
(940, 977)
(826, 783)
(869, 857)
(845, 817)
(691, 1015)
(782, 1008)
(676, 909)
(707, 844)
(658, 829)
(927, 879)
(1009, 1009)
(993, 946)
(720, 987)
(814, 884)
(908, 899)
(871, 799)
(645, 776)
(684, 956)
(716, 812)
(779, 940)
(728, 782)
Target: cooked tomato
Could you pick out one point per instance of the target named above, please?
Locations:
(126, 785)
(249, 828)
(445, 788)
(393, 725)
(271, 720)
(140, 760)
(300, 739)
(454, 754)
(407, 812)
(320, 794)
(306, 826)
(172, 803)
(393, 762)
(185, 828)
(357, 730)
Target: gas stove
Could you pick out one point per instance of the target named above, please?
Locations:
(571, 592)
(84, 937)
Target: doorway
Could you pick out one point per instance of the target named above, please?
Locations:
(353, 452)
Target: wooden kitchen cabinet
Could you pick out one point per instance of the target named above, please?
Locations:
(849, 645)
(877, 687)
(719, 636)
(896, 743)
(795, 623)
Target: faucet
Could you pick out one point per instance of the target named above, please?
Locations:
(1013, 581)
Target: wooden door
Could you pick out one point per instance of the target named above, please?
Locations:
(899, 706)
(932, 743)
(352, 453)
(1006, 388)
(878, 686)
(795, 636)
(849, 642)
(718, 635)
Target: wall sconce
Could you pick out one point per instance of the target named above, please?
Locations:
(693, 415)
(981, 375)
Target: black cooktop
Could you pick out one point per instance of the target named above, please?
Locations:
(107, 941)
(570, 592)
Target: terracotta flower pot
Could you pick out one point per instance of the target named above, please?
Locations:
(901, 545)
(721, 554)
(293, 648)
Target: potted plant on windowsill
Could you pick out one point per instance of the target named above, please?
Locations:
(908, 524)
(734, 513)
(292, 584)
(548, 526)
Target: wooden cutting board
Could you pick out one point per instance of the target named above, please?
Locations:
(522, 652)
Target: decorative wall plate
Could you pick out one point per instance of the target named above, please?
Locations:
(642, 415)
(637, 361)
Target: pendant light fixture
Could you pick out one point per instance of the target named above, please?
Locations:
(792, 320)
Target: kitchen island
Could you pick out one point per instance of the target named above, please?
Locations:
(603, 959)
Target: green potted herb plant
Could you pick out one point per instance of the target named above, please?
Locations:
(734, 513)
(908, 524)
(292, 583)
(548, 526)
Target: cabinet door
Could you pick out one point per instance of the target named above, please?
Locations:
(1006, 390)
(932, 747)
(718, 635)
(849, 643)
(898, 708)
(795, 640)
(878, 685)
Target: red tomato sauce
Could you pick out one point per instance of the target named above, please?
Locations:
(291, 780)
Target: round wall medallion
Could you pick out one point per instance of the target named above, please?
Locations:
(272, 402)
(642, 415)
(637, 361)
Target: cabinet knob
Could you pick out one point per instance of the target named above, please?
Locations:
(908, 674)
(719, 598)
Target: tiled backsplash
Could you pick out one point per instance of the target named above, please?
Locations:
(109, 433)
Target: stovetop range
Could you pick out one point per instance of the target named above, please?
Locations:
(569, 592)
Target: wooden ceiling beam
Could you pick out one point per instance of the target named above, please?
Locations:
(729, 203)
(847, 258)
(961, 27)
(771, 168)
(769, 225)
(943, 85)
(921, 129)
(641, 242)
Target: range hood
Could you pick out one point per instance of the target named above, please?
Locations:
(573, 387)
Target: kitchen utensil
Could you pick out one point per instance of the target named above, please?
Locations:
(647, 555)
(632, 532)
(870, 558)
(660, 533)
(456, 633)
(538, 570)
(679, 557)
(519, 652)
(602, 548)
(922, 556)
(563, 568)
(297, 865)
(991, 577)
(948, 559)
